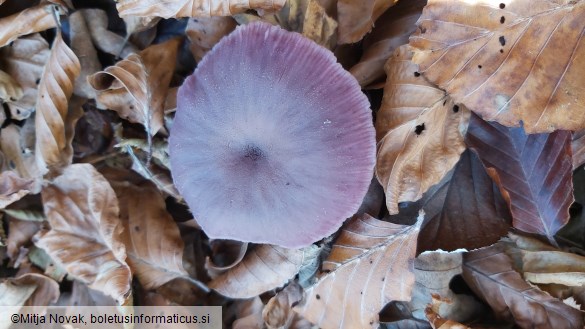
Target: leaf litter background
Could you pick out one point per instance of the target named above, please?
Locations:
(474, 218)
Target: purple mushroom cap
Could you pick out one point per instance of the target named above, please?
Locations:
(272, 141)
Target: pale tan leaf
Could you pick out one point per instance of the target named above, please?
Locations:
(160, 177)
(145, 220)
(19, 234)
(248, 314)
(145, 77)
(578, 147)
(84, 238)
(10, 90)
(318, 26)
(390, 32)
(82, 46)
(278, 311)
(104, 39)
(205, 32)
(13, 188)
(436, 320)
(30, 20)
(55, 89)
(420, 132)
(356, 18)
(19, 157)
(225, 254)
(24, 61)
(263, 268)
(29, 289)
(508, 61)
(136, 24)
(193, 8)
(370, 265)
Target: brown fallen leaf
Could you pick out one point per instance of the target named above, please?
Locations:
(489, 273)
(534, 173)
(19, 156)
(225, 254)
(318, 26)
(82, 46)
(30, 20)
(85, 234)
(508, 61)
(420, 132)
(436, 320)
(392, 30)
(370, 265)
(278, 311)
(19, 234)
(578, 147)
(159, 176)
(248, 314)
(193, 8)
(464, 210)
(10, 90)
(356, 18)
(55, 89)
(205, 32)
(30, 289)
(144, 78)
(145, 219)
(104, 39)
(24, 61)
(263, 268)
(13, 188)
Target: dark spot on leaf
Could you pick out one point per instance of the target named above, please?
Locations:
(422, 29)
(383, 279)
(479, 67)
(132, 107)
(12, 99)
(444, 102)
(416, 74)
(136, 228)
(419, 129)
(502, 20)
(38, 81)
(501, 51)
(317, 296)
(502, 40)
(455, 108)
(17, 111)
(11, 164)
(502, 5)
(371, 262)
(361, 292)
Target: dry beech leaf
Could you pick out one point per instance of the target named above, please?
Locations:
(534, 173)
(489, 273)
(160, 177)
(19, 157)
(55, 89)
(225, 254)
(420, 132)
(104, 39)
(145, 219)
(30, 20)
(145, 77)
(464, 210)
(30, 289)
(248, 314)
(318, 26)
(263, 268)
(85, 234)
(13, 188)
(278, 311)
(193, 8)
(370, 265)
(578, 147)
(25, 61)
(10, 90)
(436, 320)
(20, 233)
(508, 61)
(356, 18)
(205, 32)
(392, 30)
(83, 48)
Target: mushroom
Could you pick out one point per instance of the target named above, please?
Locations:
(272, 141)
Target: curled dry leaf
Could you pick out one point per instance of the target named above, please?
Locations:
(278, 311)
(356, 18)
(145, 77)
(249, 314)
(85, 234)
(205, 32)
(19, 234)
(318, 26)
(145, 219)
(193, 8)
(392, 30)
(160, 177)
(508, 61)
(30, 289)
(13, 188)
(420, 132)
(436, 320)
(82, 46)
(55, 89)
(578, 147)
(225, 254)
(10, 90)
(369, 266)
(30, 20)
(24, 61)
(19, 157)
(263, 268)
(534, 173)
(104, 39)
(489, 273)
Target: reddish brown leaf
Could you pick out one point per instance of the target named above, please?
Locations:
(490, 274)
(204, 33)
(508, 61)
(534, 173)
(12, 188)
(370, 265)
(356, 18)
(464, 210)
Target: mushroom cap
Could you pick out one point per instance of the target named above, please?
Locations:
(272, 141)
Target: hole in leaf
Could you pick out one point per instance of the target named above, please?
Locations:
(419, 129)
(502, 5)
(416, 74)
(455, 108)
(502, 40)
(502, 20)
